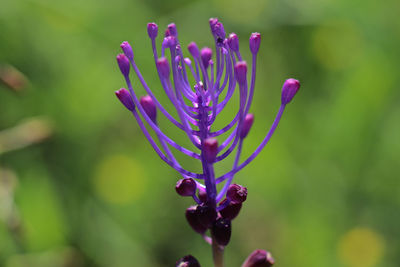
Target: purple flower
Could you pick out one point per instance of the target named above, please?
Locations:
(215, 81)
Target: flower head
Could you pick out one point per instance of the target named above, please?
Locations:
(217, 75)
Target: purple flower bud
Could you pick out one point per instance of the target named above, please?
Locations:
(259, 258)
(210, 149)
(169, 42)
(221, 230)
(186, 187)
(187, 261)
(255, 40)
(177, 59)
(202, 195)
(206, 215)
(233, 42)
(247, 123)
(194, 50)
(187, 61)
(172, 29)
(241, 72)
(125, 97)
(163, 67)
(149, 107)
(236, 193)
(192, 216)
(231, 211)
(289, 90)
(123, 63)
(126, 47)
(206, 54)
(219, 30)
(152, 30)
(213, 22)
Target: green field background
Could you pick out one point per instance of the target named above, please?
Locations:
(80, 185)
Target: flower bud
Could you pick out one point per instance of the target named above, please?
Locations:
(255, 39)
(187, 61)
(125, 97)
(206, 215)
(219, 30)
(231, 211)
(289, 90)
(186, 187)
(123, 63)
(163, 67)
(172, 29)
(241, 72)
(210, 149)
(236, 193)
(126, 47)
(259, 258)
(149, 107)
(202, 195)
(206, 54)
(221, 231)
(169, 42)
(233, 42)
(213, 22)
(194, 50)
(247, 123)
(187, 261)
(192, 216)
(152, 30)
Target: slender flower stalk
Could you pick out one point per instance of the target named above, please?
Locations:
(226, 72)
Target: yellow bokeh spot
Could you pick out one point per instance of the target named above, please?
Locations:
(337, 45)
(119, 179)
(361, 247)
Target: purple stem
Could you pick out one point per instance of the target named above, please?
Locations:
(259, 148)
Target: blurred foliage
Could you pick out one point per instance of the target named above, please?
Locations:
(79, 185)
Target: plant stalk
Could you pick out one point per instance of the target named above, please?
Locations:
(218, 254)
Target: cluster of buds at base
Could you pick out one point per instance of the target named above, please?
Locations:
(217, 75)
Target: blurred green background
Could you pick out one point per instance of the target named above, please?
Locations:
(80, 186)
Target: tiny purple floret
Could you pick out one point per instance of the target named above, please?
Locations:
(163, 67)
(210, 149)
(149, 107)
(241, 72)
(289, 90)
(172, 29)
(125, 98)
(126, 47)
(152, 30)
(123, 63)
(206, 54)
(255, 40)
(194, 50)
(233, 42)
(247, 123)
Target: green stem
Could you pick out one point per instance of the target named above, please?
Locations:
(218, 254)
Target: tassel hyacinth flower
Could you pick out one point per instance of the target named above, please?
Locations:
(215, 81)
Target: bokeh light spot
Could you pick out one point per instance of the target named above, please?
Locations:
(119, 179)
(337, 45)
(361, 247)
(242, 11)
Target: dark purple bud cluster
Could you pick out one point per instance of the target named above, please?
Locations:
(217, 75)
